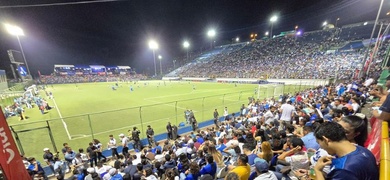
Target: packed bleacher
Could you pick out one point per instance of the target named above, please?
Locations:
(288, 137)
(54, 79)
(316, 133)
(310, 56)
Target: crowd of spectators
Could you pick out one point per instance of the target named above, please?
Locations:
(283, 58)
(54, 79)
(319, 132)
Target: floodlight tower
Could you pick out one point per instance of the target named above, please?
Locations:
(272, 20)
(153, 45)
(211, 34)
(160, 58)
(17, 31)
(186, 45)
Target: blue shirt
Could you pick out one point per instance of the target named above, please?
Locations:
(200, 140)
(192, 177)
(221, 147)
(209, 169)
(31, 167)
(386, 105)
(310, 141)
(359, 164)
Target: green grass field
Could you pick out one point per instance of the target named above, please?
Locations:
(95, 109)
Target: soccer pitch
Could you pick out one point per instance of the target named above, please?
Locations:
(95, 110)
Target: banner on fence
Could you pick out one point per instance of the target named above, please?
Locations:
(10, 159)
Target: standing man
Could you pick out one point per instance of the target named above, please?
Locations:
(169, 130)
(216, 116)
(125, 141)
(287, 111)
(226, 114)
(136, 140)
(150, 135)
(112, 145)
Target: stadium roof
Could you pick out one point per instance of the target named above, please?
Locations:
(124, 67)
(97, 66)
(61, 65)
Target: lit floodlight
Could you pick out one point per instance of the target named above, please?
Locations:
(237, 39)
(159, 57)
(273, 18)
(267, 33)
(186, 44)
(325, 23)
(211, 33)
(299, 33)
(153, 44)
(14, 30)
(365, 23)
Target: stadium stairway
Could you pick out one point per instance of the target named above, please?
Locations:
(157, 138)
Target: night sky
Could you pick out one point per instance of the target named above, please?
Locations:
(117, 33)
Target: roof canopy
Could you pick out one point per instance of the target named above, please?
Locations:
(62, 66)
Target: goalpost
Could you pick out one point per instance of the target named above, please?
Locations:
(269, 90)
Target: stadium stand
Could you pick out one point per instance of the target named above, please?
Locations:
(272, 137)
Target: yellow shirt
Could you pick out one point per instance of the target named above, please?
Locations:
(242, 171)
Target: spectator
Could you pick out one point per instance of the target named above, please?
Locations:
(356, 128)
(308, 139)
(352, 162)
(210, 168)
(242, 169)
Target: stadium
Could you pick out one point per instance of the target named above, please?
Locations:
(241, 109)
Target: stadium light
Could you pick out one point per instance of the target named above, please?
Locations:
(325, 23)
(211, 34)
(272, 20)
(237, 39)
(159, 58)
(365, 23)
(17, 31)
(153, 45)
(266, 33)
(186, 45)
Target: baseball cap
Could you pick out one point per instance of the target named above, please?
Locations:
(45, 149)
(120, 135)
(91, 170)
(261, 165)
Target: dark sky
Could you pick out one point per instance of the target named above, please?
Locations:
(117, 33)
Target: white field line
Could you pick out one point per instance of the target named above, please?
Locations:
(174, 95)
(191, 93)
(126, 127)
(63, 122)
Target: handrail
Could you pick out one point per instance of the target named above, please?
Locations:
(384, 172)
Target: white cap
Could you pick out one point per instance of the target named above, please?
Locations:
(45, 149)
(91, 170)
(120, 135)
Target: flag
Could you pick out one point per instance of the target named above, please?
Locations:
(10, 159)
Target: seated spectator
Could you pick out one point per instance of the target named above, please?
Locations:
(210, 168)
(352, 162)
(266, 151)
(296, 157)
(169, 163)
(192, 173)
(355, 128)
(308, 139)
(242, 169)
(262, 171)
